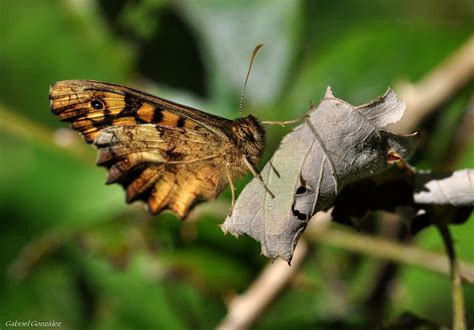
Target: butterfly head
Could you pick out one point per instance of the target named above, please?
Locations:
(250, 137)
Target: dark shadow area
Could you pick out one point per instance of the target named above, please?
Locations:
(170, 56)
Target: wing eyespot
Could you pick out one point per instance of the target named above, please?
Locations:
(97, 105)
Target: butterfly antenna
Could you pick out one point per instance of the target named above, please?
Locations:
(247, 77)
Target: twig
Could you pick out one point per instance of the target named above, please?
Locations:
(25, 128)
(462, 137)
(459, 322)
(282, 123)
(245, 309)
(388, 250)
(436, 88)
(32, 252)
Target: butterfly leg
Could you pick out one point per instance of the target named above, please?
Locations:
(274, 168)
(232, 189)
(258, 176)
(282, 123)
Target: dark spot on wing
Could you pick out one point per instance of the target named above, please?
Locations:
(131, 106)
(158, 114)
(97, 105)
(181, 122)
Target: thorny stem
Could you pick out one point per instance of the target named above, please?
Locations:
(459, 322)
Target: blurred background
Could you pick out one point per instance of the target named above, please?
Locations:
(71, 250)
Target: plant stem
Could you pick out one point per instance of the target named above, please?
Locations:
(459, 322)
(385, 249)
(18, 125)
(246, 309)
(438, 86)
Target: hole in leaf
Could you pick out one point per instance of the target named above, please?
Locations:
(301, 190)
(299, 215)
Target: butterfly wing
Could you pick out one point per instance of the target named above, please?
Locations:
(168, 155)
(166, 168)
(91, 106)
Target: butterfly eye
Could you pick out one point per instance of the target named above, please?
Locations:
(97, 104)
(250, 137)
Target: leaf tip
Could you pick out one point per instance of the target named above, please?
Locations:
(228, 229)
(223, 228)
(328, 92)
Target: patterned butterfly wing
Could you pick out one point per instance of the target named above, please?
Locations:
(163, 153)
(91, 105)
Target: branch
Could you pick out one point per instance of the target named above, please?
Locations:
(388, 250)
(459, 322)
(245, 309)
(436, 88)
(18, 125)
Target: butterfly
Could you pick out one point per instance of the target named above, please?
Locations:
(169, 155)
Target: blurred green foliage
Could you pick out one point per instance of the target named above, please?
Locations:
(72, 251)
